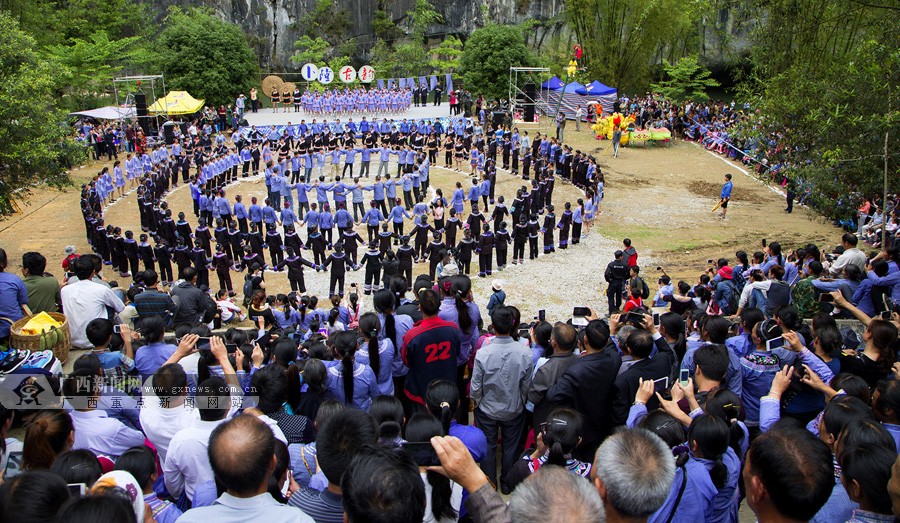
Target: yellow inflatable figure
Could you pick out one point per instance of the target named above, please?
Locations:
(605, 126)
(572, 68)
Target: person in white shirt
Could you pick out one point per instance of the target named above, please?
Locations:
(94, 429)
(86, 300)
(850, 256)
(228, 310)
(187, 463)
(166, 410)
(242, 454)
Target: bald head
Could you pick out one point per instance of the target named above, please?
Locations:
(241, 453)
(563, 337)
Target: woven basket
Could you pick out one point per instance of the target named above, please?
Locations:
(36, 342)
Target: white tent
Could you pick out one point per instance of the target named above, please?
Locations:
(110, 112)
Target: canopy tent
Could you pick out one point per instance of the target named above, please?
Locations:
(176, 102)
(552, 84)
(572, 88)
(596, 88)
(574, 95)
(110, 112)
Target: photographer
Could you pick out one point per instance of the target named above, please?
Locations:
(653, 360)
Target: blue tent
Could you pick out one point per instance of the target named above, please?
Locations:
(553, 84)
(573, 88)
(596, 88)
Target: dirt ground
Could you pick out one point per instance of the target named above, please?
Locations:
(660, 197)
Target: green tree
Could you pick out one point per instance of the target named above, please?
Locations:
(53, 22)
(209, 58)
(489, 53)
(91, 63)
(34, 142)
(685, 80)
(445, 56)
(824, 80)
(624, 40)
(409, 57)
(310, 50)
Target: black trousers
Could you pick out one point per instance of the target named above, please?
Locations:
(501, 258)
(484, 262)
(614, 295)
(224, 280)
(337, 280)
(518, 250)
(532, 248)
(165, 273)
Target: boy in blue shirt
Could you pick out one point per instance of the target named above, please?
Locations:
(725, 195)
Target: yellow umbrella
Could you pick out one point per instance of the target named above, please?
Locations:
(176, 102)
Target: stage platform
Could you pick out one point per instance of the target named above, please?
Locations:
(268, 117)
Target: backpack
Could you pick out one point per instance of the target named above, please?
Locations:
(728, 297)
(248, 288)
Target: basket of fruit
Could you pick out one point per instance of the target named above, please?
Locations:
(43, 331)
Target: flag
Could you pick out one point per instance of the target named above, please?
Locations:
(422, 82)
(380, 83)
(403, 83)
(410, 83)
(434, 82)
(391, 83)
(449, 83)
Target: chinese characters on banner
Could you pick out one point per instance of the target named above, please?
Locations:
(310, 72)
(366, 74)
(326, 75)
(347, 74)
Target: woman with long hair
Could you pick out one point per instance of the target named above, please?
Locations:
(393, 328)
(443, 497)
(874, 362)
(442, 401)
(47, 435)
(259, 308)
(556, 441)
(350, 382)
(456, 308)
(377, 354)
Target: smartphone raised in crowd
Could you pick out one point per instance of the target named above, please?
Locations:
(661, 384)
(117, 328)
(581, 311)
(77, 490)
(656, 319)
(542, 315)
(826, 298)
(422, 453)
(633, 317)
(683, 376)
(775, 343)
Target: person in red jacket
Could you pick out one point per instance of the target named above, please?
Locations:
(429, 349)
(70, 257)
(631, 255)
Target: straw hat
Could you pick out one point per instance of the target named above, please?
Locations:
(271, 82)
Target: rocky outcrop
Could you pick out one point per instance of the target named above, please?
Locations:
(273, 26)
